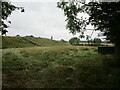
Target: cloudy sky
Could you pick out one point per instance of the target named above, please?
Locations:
(41, 19)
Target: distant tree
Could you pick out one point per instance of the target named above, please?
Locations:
(74, 41)
(7, 9)
(97, 41)
(17, 35)
(31, 36)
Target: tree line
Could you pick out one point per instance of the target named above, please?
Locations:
(76, 41)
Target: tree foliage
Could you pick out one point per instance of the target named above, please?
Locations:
(105, 16)
(82, 36)
(74, 41)
(7, 9)
(97, 41)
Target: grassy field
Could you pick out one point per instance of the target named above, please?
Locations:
(14, 42)
(58, 67)
(46, 41)
(19, 42)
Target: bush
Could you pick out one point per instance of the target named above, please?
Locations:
(74, 41)
(97, 41)
(31, 36)
(17, 35)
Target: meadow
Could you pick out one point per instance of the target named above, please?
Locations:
(20, 42)
(62, 66)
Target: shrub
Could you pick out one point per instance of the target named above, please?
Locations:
(97, 41)
(17, 35)
(74, 41)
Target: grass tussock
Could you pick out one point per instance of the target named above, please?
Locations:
(58, 67)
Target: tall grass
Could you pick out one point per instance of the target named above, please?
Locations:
(58, 67)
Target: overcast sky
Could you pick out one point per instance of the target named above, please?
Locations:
(41, 19)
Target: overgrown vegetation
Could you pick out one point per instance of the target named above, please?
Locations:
(58, 66)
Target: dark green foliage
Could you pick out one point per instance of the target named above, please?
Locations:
(70, 9)
(105, 16)
(74, 41)
(7, 9)
(97, 41)
(82, 36)
(18, 35)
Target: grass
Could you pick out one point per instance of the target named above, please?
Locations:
(58, 67)
(19, 42)
(45, 41)
(14, 42)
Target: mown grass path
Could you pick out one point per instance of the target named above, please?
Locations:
(58, 67)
